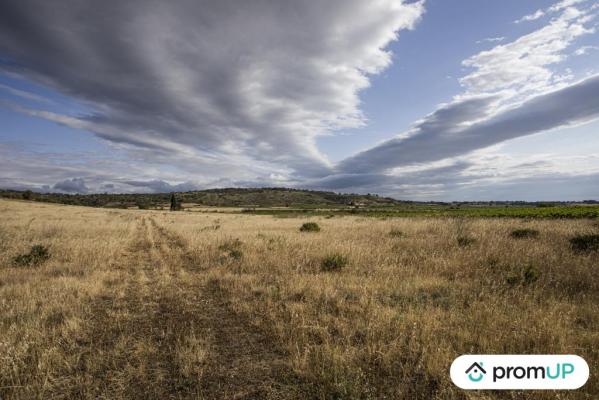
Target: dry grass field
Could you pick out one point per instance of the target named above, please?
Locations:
(176, 305)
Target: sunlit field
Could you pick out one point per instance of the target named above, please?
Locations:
(121, 304)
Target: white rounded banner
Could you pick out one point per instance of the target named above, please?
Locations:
(509, 371)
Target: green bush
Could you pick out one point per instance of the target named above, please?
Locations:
(582, 243)
(235, 254)
(334, 262)
(37, 255)
(396, 233)
(464, 241)
(525, 276)
(512, 279)
(524, 233)
(530, 275)
(310, 227)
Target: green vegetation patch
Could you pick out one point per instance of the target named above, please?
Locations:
(37, 255)
(310, 227)
(396, 233)
(465, 241)
(334, 262)
(524, 233)
(585, 243)
(525, 276)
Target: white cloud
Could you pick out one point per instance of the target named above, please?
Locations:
(512, 91)
(531, 17)
(549, 10)
(564, 4)
(523, 66)
(491, 40)
(581, 51)
(258, 80)
(24, 94)
(445, 133)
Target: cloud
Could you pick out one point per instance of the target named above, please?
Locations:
(564, 4)
(523, 65)
(559, 6)
(557, 186)
(530, 17)
(258, 80)
(159, 186)
(581, 51)
(440, 136)
(23, 94)
(365, 182)
(510, 93)
(213, 94)
(75, 185)
(491, 40)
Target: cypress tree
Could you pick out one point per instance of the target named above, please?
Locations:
(174, 204)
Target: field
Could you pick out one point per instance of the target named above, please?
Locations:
(427, 210)
(158, 305)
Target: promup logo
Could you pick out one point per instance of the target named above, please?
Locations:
(476, 372)
(519, 372)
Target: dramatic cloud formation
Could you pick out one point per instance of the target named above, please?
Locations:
(440, 135)
(259, 79)
(510, 93)
(203, 94)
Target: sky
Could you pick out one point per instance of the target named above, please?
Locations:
(417, 100)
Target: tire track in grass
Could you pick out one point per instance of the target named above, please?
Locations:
(243, 362)
(246, 363)
(165, 331)
(126, 344)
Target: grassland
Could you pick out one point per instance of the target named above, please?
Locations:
(159, 305)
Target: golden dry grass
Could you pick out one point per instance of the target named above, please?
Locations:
(149, 304)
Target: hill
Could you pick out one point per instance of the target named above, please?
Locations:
(228, 197)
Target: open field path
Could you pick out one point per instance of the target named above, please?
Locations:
(165, 330)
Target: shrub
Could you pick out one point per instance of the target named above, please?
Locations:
(512, 279)
(334, 262)
(530, 275)
(310, 227)
(582, 243)
(37, 255)
(464, 241)
(235, 254)
(524, 233)
(232, 247)
(231, 244)
(396, 233)
(526, 276)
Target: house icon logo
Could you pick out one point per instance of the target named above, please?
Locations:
(476, 372)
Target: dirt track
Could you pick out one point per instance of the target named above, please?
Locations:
(140, 326)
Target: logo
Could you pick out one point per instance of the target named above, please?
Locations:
(476, 372)
(519, 372)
